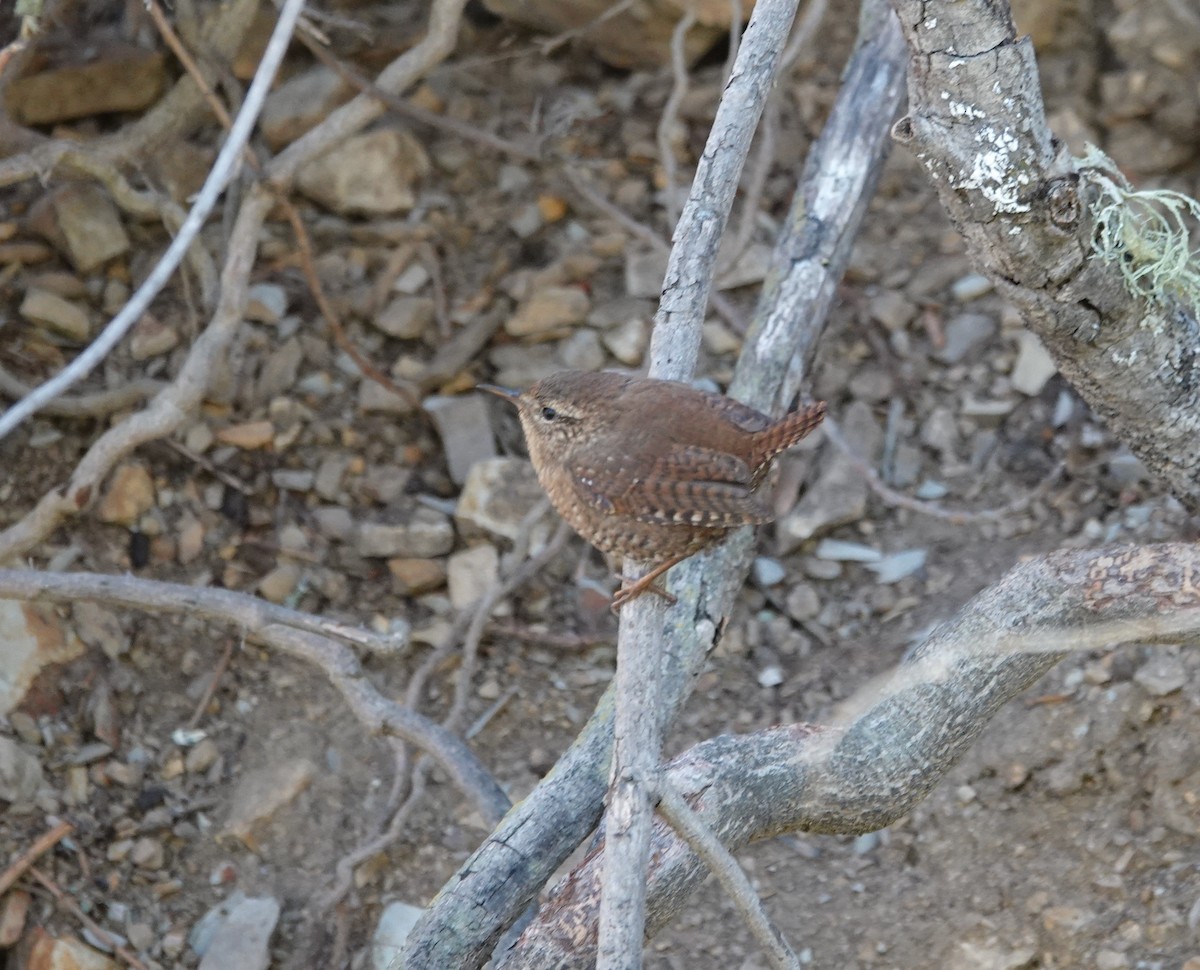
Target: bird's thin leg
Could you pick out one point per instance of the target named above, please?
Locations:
(632, 588)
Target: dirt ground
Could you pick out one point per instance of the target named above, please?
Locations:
(1068, 837)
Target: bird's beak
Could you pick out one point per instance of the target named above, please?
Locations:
(505, 392)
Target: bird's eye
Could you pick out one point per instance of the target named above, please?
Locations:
(549, 414)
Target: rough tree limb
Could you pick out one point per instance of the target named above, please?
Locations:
(978, 124)
(860, 776)
(500, 878)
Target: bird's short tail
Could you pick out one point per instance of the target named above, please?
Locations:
(787, 431)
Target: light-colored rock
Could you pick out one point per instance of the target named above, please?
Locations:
(471, 573)
(300, 102)
(970, 287)
(406, 317)
(497, 496)
(60, 316)
(66, 953)
(14, 905)
(1161, 675)
(1034, 366)
(374, 398)
(892, 309)
(130, 495)
(416, 576)
(462, 422)
(396, 922)
(236, 934)
(628, 342)
(119, 77)
(266, 303)
(100, 627)
(369, 174)
(151, 338)
(963, 334)
(898, 565)
(423, 534)
(262, 792)
(248, 435)
(20, 772)
(90, 225)
(548, 309)
(279, 370)
(277, 585)
(581, 350)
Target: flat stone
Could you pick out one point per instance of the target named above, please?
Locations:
(249, 435)
(548, 309)
(970, 287)
(628, 341)
(416, 576)
(839, 550)
(129, 496)
(100, 628)
(963, 334)
(262, 792)
(90, 225)
(20, 773)
(1161, 675)
(266, 303)
(396, 923)
(424, 533)
(463, 423)
(279, 370)
(644, 272)
(406, 317)
(898, 565)
(64, 953)
(1034, 366)
(892, 309)
(334, 522)
(374, 398)
(581, 350)
(120, 77)
(151, 338)
(61, 316)
(768, 571)
(300, 103)
(803, 602)
(369, 174)
(470, 573)
(277, 585)
(236, 933)
(496, 497)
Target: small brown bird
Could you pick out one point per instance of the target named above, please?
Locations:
(653, 470)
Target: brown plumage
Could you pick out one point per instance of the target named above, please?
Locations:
(653, 470)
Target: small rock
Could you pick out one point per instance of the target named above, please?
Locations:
(973, 956)
(277, 585)
(300, 102)
(61, 316)
(14, 906)
(235, 934)
(248, 435)
(406, 317)
(384, 484)
(581, 350)
(841, 551)
(90, 225)
(1111, 960)
(549, 309)
(644, 272)
(334, 522)
(369, 174)
(100, 628)
(767, 571)
(770, 676)
(416, 576)
(201, 757)
(940, 431)
(893, 568)
(130, 495)
(396, 922)
(148, 853)
(803, 602)
(32, 637)
(20, 772)
(497, 496)
(266, 303)
(892, 309)
(67, 953)
(151, 338)
(374, 398)
(471, 573)
(279, 370)
(293, 479)
(970, 287)
(262, 792)
(328, 480)
(527, 221)
(1034, 367)
(931, 491)
(963, 334)
(1161, 675)
(423, 535)
(466, 433)
(628, 342)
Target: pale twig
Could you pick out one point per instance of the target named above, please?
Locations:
(41, 845)
(900, 500)
(301, 635)
(214, 680)
(94, 404)
(691, 828)
(72, 907)
(674, 349)
(668, 122)
(222, 171)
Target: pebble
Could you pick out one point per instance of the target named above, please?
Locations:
(300, 103)
(148, 853)
(369, 174)
(416, 576)
(279, 584)
(582, 350)
(940, 431)
(248, 435)
(374, 398)
(471, 573)
(14, 906)
(406, 317)
(262, 792)
(892, 309)
(1034, 366)
(151, 337)
(770, 676)
(61, 316)
(100, 628)
(327, 482)
(130, 494)
(822, 568)
(970, 287)
(279, 370)
(201, 757)
(20, 773)
(236, 933)
(266, 303)
(963, 334)
(425, 533)
(293, 479)
(842, 551)
(47, 952)
(803, 602)
(768, 571)
(396, 922)
(496, 497)
(898, 565)
(462, 422)
(334, 522)
(1161, 675)
(548, 309)
(628, 341)
(644, 272)
(90, 225)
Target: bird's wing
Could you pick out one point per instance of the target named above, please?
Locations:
(682, 485)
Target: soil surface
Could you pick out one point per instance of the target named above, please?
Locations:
(1068, 837)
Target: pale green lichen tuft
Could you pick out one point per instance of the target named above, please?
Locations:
(1145, 234)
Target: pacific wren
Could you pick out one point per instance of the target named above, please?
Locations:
(653, 470)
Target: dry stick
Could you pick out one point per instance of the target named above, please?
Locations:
(668, 122)
(287, 630)
(73, 908)
(696, 833)
(95, 404)
(222, 171)
(43, 844)
(900, 500)
(498, 881)
(896, 742)
(646, 623)
(213, 681)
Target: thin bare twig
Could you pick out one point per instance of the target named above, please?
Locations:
(692, 829)
(94, 404)
(668, 121)
(43, 844)
(213, 681)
